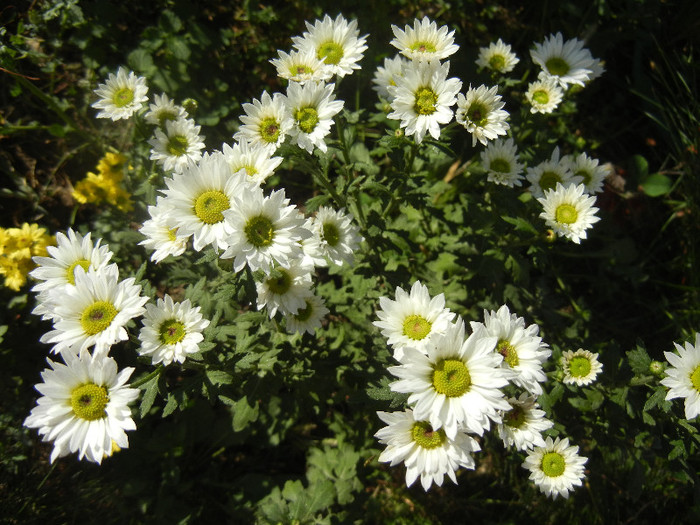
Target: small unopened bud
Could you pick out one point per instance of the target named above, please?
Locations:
(657, 368)
(190, 106)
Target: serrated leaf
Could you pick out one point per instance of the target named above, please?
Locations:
(521, 224)
(639, 360)
(655, 399)
(219, 377)
(244, 413)
(170, 406)
(150, 389)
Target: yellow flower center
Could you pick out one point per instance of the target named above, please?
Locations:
(330, 52)
(695, 378)
(122, 97)
(171, 331)
(306, 118)
(270, 130)
(497, 62)
(416, 327)
(424, 436)
(451, 378)
(541, 96)
(259, 231)
(478, 114)
(98, 316)
(88, 401)
(507, 350)
(70, 271)
(425, 101)
(177, 145)
(210, 205)
(566, 214)
(423, 46)
(579, 366)
(553, 464)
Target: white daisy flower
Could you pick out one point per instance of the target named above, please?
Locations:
(264, 231)
(683, 376)
(591, 172)
(544, 94)
(301, 67)
(95, 311)
(265, 122)
(196, 200)
(523, 351)
(556, 468)
(163, 110)
(337, 42)
(481, 114)
(457, 385)
(161, 235)
(424, 41)
(500, 160)
(568, 62)
(308, 318)
(385, 76)
(178, 147)
(83, 406)
(423, 99)
(413, 318)
(312, 107)
(58, 270)
(497, 57)
(524, 423)
(335, 238)
(285, 289)
(547, 174)
(568, 211)
(254, 158)
(426, 452)
(121, 95)
(171, 331)
(580, 367)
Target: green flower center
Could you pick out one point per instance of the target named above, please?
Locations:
(330, 233)
(208, 207)
(695, 378)
(541, 96)
(306, 118)
(259, 231)
(97, 317)
(122, 97)
(497, 62)
(557, 66)
(416, 327)
(478, 114)
(566, 214)
(515, 418)
(304, 313)
(171, 331)
(579, 366)
(451, 378)
(330, 52)
(165, 115)
(507, 350)
(177, 145)
(70, 271)
(549, 179)
(279, 283)
(423, 47)
(89, 401)
(553, 464)
(500, 165)
(426, 99)
(300, 69)
(424, 436)
(270, 130)
(585, 175)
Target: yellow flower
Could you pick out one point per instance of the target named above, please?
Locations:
(17, 246)
(106, 184)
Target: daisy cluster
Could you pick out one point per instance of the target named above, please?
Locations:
(461, 384)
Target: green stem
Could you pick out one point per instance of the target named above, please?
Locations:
(145, 379)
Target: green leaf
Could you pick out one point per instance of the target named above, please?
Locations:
(656, 185)
(639, 360)
(521, 224)
(219, 377)
(170, 406)
(244, 413)
(150, 391)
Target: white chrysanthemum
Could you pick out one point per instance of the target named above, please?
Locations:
(178, 147)
(197, 199)
(556, 468)
(568, 62)
(308, 318)
(58, 270)
(683, 376)
(255, 159)
(423, 99)
(162, 235)
(481, 114)
(312, 108)
(591, 172)
(265, 230)
(524, 423)
(522, 350)
(301, 67)
(580, 367)
(426, 452)
(337, 42)
(497, 57)
(95, 311)
(457, 384)
(335, 237)
(285, 289)
(569, 211)
(266, 121)
(413, 318)
(544, 94)
(547, 174)
(171, 331)
(121, 95)
(83, 406)
(385, 77)
(500, 160)
(163, 110)
(424, 41)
